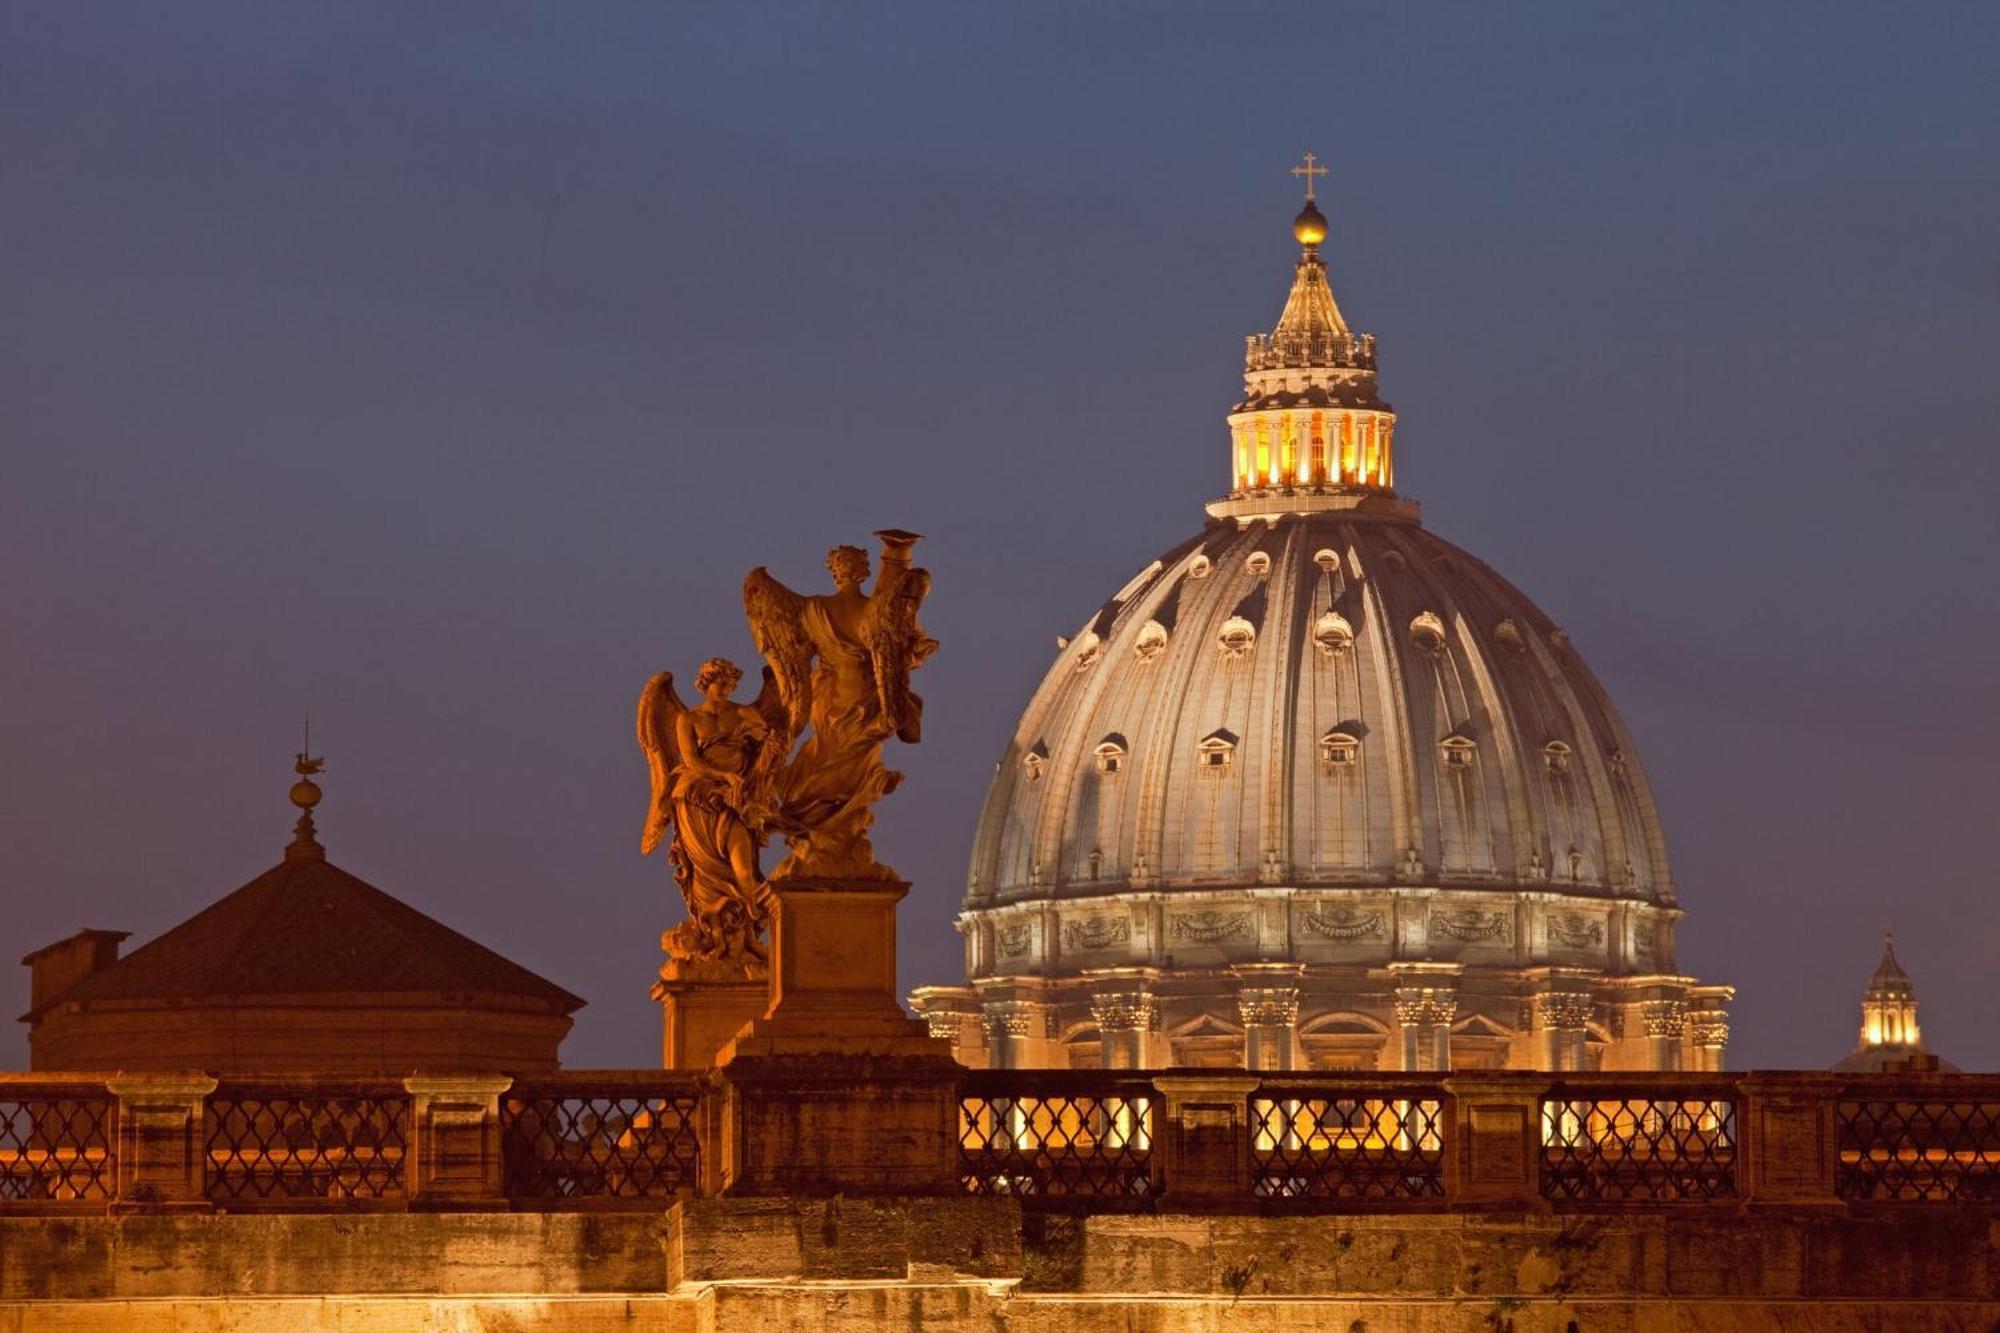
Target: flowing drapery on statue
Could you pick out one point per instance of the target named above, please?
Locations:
(725, 775)
(841, 663)
(712, 768)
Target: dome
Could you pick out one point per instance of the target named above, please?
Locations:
(1334, 700)
(1316, 786)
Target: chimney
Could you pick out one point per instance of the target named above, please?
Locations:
(58, 968)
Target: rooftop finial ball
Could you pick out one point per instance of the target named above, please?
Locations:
(305, 794)
(1310, 225)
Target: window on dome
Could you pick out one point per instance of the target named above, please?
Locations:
(1508, 635)
(1088, 649)
(1152, 641)
(1458, 751)
(1238, 637)
(1259, 563)
(1427, 633)
(1216, 752)
(1556, 754)
(1198, 567)
(1035, 761)
(1328, 561)
(1333, 634)
(1110, 754)
(1338, 749)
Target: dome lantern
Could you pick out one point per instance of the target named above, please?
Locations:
(1311, 432)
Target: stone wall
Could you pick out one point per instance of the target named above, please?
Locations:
(827, 1266)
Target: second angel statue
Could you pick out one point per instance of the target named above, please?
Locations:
(804, 760)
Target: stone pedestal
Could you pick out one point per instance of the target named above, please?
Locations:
(702, 1008)
(833, 975)
(835, 1090)
(160, 1157)
(454, 1161)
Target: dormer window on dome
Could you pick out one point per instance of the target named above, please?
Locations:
(1457, 751)
(1035, 761)
(1217, 752)
(1333, 634)
(1110, 754)
(1339, 749)
(1259, 563)
(1427, 633)
(1327, 560)
(1237, 638)
(1151, 641)
(1088, 649)
(1199, 566)
(1556, 755)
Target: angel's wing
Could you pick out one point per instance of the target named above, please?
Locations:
(775, 612)
(660, 707)
(897, 645)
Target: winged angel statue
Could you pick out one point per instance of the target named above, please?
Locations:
(803, 760)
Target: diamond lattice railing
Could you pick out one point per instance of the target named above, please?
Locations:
(56, 1149)
(1922, 1150)
(595, 1144)
(274, 1146)
(1048, 1140)
(1317, 1144)
(1600, 1148)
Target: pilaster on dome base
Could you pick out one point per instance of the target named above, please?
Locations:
(1272, 505)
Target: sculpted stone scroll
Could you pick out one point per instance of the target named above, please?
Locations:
(803, 760)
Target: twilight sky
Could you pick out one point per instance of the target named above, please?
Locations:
(442, 368)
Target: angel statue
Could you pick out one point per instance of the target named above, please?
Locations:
(841, 663)
(713, 767)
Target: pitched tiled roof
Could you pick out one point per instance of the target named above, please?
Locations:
(307, 927)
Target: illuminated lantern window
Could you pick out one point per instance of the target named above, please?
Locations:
(1457, 752)
(1338, 749)
(1152, 641)
(1427, 633)
(1110, 754)
(1216, 752)
(1237, 638)
(1333, 634)
(1259, 563)
(1035, 761)
(1556, 754)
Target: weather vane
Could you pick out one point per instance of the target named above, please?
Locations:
(1309, 169)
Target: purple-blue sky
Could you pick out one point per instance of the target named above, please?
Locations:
(442, 367)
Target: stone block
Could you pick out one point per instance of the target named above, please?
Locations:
(856, 1239)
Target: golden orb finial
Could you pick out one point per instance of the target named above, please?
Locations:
(1310, 225)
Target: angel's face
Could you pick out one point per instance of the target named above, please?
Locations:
(720, 686)
(848, 565)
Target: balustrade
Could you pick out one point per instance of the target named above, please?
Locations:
(1055, 1139)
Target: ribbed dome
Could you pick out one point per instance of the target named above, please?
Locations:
(1317, 787)
(1322, 699)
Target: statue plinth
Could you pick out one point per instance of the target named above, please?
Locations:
(833, 975)
(703, 1005)
(835, 1088)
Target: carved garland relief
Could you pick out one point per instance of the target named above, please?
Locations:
(1343, 923)
(1471, 925)
(1576, 930)
(1096, 932)
(1209, 926)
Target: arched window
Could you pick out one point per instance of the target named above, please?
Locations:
(1427, 633)
(1556, 754)
(1333, 634)
(1237, 638)
(1259, 563)
(1152, 641)
(1110, 754)
(1457, 751)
